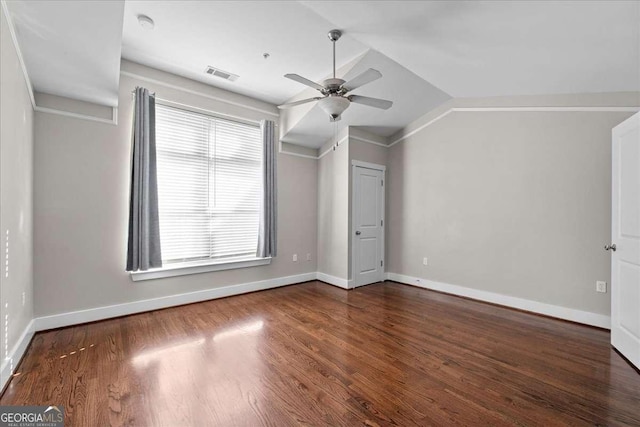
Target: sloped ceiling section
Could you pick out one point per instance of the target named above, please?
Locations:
(411, 95)
(71, 48)
(502, 48)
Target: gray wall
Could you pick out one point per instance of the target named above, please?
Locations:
(333, 209)
(334, 197)
(16, 197)
(81, 193)
(365, 152)
(516, 203)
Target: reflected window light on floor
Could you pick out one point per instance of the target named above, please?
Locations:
(144, 358)
(243, 329)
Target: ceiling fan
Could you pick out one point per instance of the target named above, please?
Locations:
(335, 92)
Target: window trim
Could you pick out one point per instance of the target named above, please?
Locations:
(195, 267)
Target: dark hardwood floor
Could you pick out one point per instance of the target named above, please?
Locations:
(313, 354)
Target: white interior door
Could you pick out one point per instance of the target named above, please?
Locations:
(368, 225)
(625, 233)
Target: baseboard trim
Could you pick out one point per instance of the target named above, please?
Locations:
(573, 315)
(107, 312)
(13, 359)
(333, 280)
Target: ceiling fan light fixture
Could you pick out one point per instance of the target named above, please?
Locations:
(335, 92)
(334, 106)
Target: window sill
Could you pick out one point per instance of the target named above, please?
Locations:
(184, 269)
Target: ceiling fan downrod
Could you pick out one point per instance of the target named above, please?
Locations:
(334, 36)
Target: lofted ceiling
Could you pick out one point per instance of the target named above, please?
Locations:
(427, 51)
(502, 48)
(71, 48)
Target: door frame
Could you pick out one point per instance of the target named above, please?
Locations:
(352, 227)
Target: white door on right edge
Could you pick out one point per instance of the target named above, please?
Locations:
(625, 235)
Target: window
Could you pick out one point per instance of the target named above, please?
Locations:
(209, 186)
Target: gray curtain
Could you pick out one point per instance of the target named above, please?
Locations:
(143, 251)
(267, 238)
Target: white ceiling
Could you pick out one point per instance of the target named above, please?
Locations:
(500, 48)
(71, 48)
(426, 50)
(190, 35)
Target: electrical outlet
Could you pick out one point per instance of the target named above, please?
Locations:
(601, 286)
(24, 299)
(425, 261)
(308, 257)
(295, 257)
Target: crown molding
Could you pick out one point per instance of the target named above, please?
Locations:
(14, 39)
(112, 121)
(589, 109)
(194, 92)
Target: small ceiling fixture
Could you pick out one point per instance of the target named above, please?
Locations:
(266, 55)
(334, 99)
(146, 22)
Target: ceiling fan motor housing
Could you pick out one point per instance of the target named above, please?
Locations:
(332, 85)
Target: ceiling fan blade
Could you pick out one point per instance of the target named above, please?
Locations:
(371, 102)
(293, 104)
(304, 81)
(362, 79)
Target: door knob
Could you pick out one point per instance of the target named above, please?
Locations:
(610, 247)
(359, 233)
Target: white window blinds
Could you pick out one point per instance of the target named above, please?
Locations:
(209, 186)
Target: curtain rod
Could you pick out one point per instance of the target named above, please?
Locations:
(133, 92)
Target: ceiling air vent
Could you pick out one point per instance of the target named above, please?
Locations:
(222, 74)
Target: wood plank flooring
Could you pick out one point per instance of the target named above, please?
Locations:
(312, 354)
